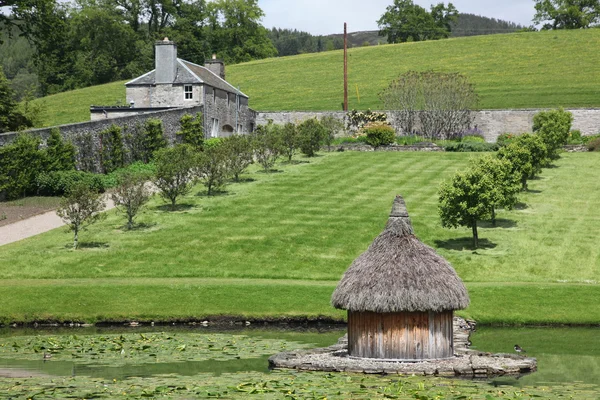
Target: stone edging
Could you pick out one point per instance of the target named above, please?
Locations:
(466, 363)
(392, 147)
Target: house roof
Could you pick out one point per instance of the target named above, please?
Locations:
(189, 73)
(399, 273)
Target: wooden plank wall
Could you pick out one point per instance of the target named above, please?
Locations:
(402, 336)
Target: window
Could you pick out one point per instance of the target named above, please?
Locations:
(215, 128)
(188, 92)
(240, 129)
(214, 96)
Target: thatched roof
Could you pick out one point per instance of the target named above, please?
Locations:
(400, 273)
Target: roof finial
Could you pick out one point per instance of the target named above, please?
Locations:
(214, 56)
(166, 39)
(399, 208)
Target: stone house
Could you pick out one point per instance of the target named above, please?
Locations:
(176, 84)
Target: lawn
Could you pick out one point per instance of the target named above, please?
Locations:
(276, 246)
(519, 70)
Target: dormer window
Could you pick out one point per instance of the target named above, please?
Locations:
(188, 92)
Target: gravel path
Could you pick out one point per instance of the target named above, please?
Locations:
(35, 225)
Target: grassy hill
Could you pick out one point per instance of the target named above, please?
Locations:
(519, 70)
(277, 246)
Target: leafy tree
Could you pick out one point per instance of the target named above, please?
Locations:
(567, 14)
(538, 150)
(173, 176)
(267, 145)
(553, 127)
(466, 198)
(154, 138)
(112, 149)
(311, 135)
(240, 154)
(332, 126)
(520, 160)
(130, 195)
(11, 118)
(81, 207)
(506, 183)
(20, 162)
(192, 130)
(290, 140)
(59, 154)
(405, 21)
(212, 168)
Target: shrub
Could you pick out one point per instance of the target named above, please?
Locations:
(130, 195)
(379, 134)
(290, 140)
(59, 183)
(358, 119)
(505, 139)
(468, 147)
(20, 162)
(143, 170)
(192, 130)
(473, 139)
(173, 176)
(213, 142)
(112, 150)
(240, 154)
(211, 168)
(154, 138)
(575, 137)
(553, 127)
(59, 155)
(81, 207)
(594, 145)
(332, 127)
(311, 134)
(267, 145)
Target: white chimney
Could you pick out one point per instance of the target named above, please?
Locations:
(165, 61)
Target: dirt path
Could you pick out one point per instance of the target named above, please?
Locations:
(35, 225)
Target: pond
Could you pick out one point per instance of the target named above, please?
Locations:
(94, 362)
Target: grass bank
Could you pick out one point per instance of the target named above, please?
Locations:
(276, 246)
(519, 70)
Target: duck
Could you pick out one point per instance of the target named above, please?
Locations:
(519, 349)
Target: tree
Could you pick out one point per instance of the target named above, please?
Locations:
(240, 154)
(212, 169)
(553, 128)
(266, 140)
(442, 102)
(20, 162)
(567, 14)
(11, 118)
(332, 126)
(405, 21)
(506, 183)
(311, 135)
(290, 140)
(467, 198)
(538, 150)
(173, 176)
(520, 160)
(81, 207)
(192, 130)
(130, 195)
(59, 154)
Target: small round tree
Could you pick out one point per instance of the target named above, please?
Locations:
(81, 207)
(290, 140)
(311, 134)
(466, 198)
(553, 127)
(131, 195)
(240, 154)
(538, 150)
(212, 168)
(520, 159)
(173, 176)
(267, 144)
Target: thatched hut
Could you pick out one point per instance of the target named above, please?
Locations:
(400, 296)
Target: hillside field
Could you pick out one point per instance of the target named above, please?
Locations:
(276, 245)
(519, 70)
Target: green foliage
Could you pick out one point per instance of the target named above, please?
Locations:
(594, 145)
(240, 154)
(173, 176)
(290, 140)
(139, 169)
(311, 134)
(20, 162)
(213, 142)
(567, 14)
(11, 118)
(267, 144)
(553, 127)
(333, 126)
(130, 195)
(192, 130)
(468, 147)
(154, 138)
(473, 139)
(59, 183)
(505, 139)
(59, 155)
(379, 134)
(358, 119)
(468, 197)
(81, 207)
(520, 159)
(538, 150)
(405, 21)
(112, 154)
(212, 168)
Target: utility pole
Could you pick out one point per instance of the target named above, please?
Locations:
(345, 67)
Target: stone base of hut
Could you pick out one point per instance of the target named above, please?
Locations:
(466, 363)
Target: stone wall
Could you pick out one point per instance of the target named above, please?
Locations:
(492, 123)
(89, 131)
(221, 105)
